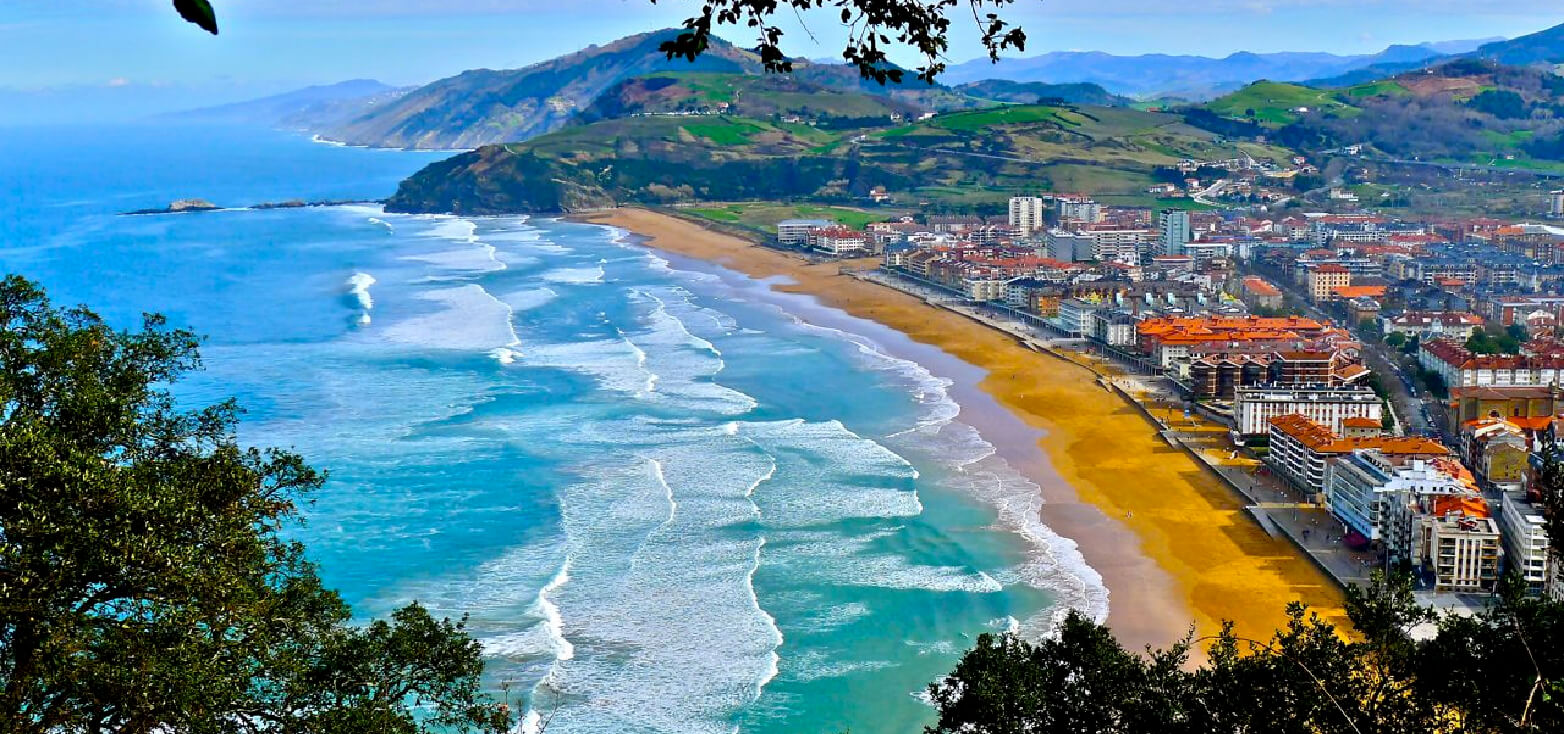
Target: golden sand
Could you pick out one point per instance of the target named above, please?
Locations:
(1189, 556)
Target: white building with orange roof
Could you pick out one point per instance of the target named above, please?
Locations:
(1303, 451)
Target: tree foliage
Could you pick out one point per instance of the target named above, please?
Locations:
(1495, 672)
(874, 27)
(1509, 341)
(144, 585)
(1549, 481)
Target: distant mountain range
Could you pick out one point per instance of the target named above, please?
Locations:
(1194, 77)
(486, 106)
(308, 108)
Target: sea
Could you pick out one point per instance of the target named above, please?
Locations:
(669, 497)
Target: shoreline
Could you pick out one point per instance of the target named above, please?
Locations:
(1176, 550)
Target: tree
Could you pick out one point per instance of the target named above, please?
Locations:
(1495, 672)
(144, 585)
(1395, 339)
(1369, 328)
(1550, 484)
(873, 27)
(1081, 681)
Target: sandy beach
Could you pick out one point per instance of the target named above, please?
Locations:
(1172, 543)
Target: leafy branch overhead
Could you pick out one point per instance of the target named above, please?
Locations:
(873, 28)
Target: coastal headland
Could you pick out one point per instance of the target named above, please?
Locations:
(1172, 543)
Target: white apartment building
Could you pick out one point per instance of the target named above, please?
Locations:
(1080, 210)
(985, 288)
(1525, 534)
(1463, 551)
(1205, 251)
(1076, 316)
(1431, 324)
(1363, 488)
(1118, 245)
(1026, 213)
(1254, 407)
(1460, 368)
(1174, 226)
(839, 241)
(1070, 246)
(796, 231)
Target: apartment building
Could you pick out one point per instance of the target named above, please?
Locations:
(1027, 213)
(1302, 451)
(1525, 533)
(1325, 279)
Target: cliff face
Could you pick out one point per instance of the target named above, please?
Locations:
(493, 180)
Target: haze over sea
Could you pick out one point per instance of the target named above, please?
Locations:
(671, 499)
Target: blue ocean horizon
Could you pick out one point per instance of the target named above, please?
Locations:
(669, 498)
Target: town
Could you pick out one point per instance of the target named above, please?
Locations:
(1401, 377)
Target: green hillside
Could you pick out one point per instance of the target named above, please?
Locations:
(1276, 104)
(1465, 111)
(485, 106)
(754, 96)
(959, 158)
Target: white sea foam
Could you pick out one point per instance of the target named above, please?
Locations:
(832, 475)
(669, 634)
(836, 617)
(817, 665)
(576, 276)
(469, 318)
(614, 363)
(358, 285)
(478, 257)
(453, 228)
(390, 230)
(530, 298)
(563, 650)
(686, 364)
(673, 505)
(1055, 562)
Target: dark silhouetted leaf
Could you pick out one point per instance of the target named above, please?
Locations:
(198, 12)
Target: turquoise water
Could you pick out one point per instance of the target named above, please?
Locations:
(671, 499)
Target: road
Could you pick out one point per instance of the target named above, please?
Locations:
(1412, 408)
(1203, 196)
(1411, 411)
(1458, 167)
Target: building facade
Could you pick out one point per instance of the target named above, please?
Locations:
(1254, 407)
(1174, 230)
(1027, 213)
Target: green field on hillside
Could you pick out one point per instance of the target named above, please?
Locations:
(1273, 103)
(762, 216)
(724, 130)
(1382, 88)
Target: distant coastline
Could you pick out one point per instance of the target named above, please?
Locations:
(1173, 546)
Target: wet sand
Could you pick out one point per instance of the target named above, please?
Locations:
(1172, 543)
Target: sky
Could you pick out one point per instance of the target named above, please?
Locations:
(139, 49)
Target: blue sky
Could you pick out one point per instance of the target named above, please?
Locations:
(273, 44)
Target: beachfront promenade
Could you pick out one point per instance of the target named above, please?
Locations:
(1273, 504)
